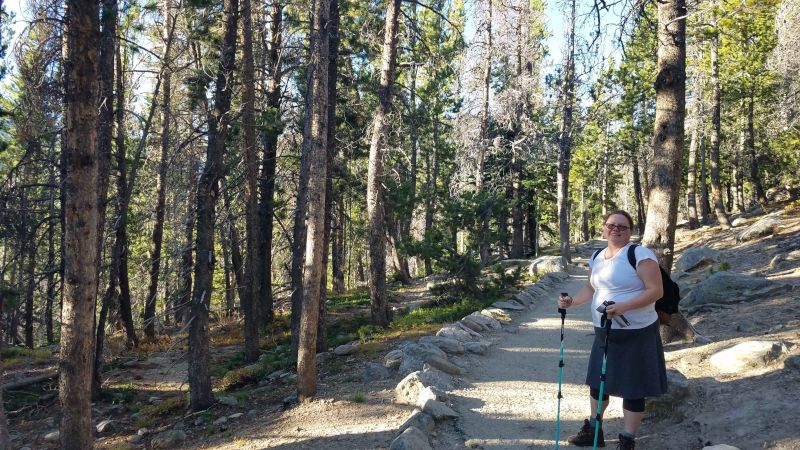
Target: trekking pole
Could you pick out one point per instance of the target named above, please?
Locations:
(604, 321)
(563, 313)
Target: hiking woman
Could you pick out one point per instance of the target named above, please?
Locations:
(635, 366)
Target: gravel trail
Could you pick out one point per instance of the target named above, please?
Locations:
(510, 400)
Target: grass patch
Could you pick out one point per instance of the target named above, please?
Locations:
(346, 329)
(358, 397)
(150, 415)
(13, 356)
(122, 394)
(242, 376)
(441, 314)
(370, 348)
(348, 300)
(159, 343)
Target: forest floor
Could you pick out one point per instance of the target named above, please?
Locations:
(506, 399)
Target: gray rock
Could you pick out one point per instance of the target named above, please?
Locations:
(221, 421)
(511, 330)
(486, 321)
(792, 362)
(478, 348)
(420, 420)
(105, 426)
(677, 385)
(227, 400)
(765, 226)
(345, 349)
(393, 359)
(720, 447)
(142, 431)
(408, 389)
(322, 357)
(449, 345)
(235, 416)
(696, 258)
(444, 365)
(509, 306)
(746, 355)
(729, 287)
(546, 264)
(375, 372)
(411, 439)
(456, 333)
(471, 332)
(496, 314)
(472, 325)
(428, 393)
(136, 439)
(52, 436)
(438, 410)
(154, 400)
(430, 376)
(167, 439)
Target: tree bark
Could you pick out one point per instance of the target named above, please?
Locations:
(705, 207)
(161, 184)
(565, 141)
(716, 186)
(691, 179)
(755, 177)
(80, 221)
(484, 235)
(207, 193)
(185, 296)
(253, 272)
(230, 284)
(670, 85)
(234, 239)
(268, 163)
(379, 307)
(330, 161)
(317, 158)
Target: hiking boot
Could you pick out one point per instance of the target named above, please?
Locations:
(626, 443)
(585, 437)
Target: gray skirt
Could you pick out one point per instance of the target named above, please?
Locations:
(635, 365)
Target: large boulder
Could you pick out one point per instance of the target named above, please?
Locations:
(747, 355)
(496, 314)
(447, 344)
(486, 321)
(546, 264)
(765, 226)
(696, 258)
(408, 389)
(511, 306)
(457, 333)
(411, 439)
(420, 420)
(730, 287)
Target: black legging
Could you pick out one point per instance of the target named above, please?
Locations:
(628, 404)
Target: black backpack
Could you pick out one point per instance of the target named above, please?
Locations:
(669, 302)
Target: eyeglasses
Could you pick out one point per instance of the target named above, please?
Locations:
(613, 226)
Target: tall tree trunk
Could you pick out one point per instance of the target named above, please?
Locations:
(705, 207)
(230, 284)
(638, 195)
(330, 141)
(253, 272)
(516, 203)
(268, 163)
(755, 177)
(716, 105)
(81, 223)
(379, 307)
(124, 190)
(533, 226)
(185, 297)
(234, 239)
(565, 141)
(662, 211)
(691, 181)
(161, 183)
(338, 248)
(484, 235)
(207, 193)
(432, 182)
(317, 157)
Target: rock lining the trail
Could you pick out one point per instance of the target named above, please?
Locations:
(426, 389)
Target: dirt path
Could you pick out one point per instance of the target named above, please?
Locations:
(511, 398)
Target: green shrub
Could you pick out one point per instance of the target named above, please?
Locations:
(151, 414)
(358, 397)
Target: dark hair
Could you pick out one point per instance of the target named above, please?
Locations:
(621, 213)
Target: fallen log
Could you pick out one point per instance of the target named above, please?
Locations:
(29, 381)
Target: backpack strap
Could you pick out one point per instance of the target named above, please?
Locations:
(632, 255)
(596, 252)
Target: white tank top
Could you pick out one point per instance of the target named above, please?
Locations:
(616, 280)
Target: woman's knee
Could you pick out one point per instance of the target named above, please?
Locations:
(633, 405)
